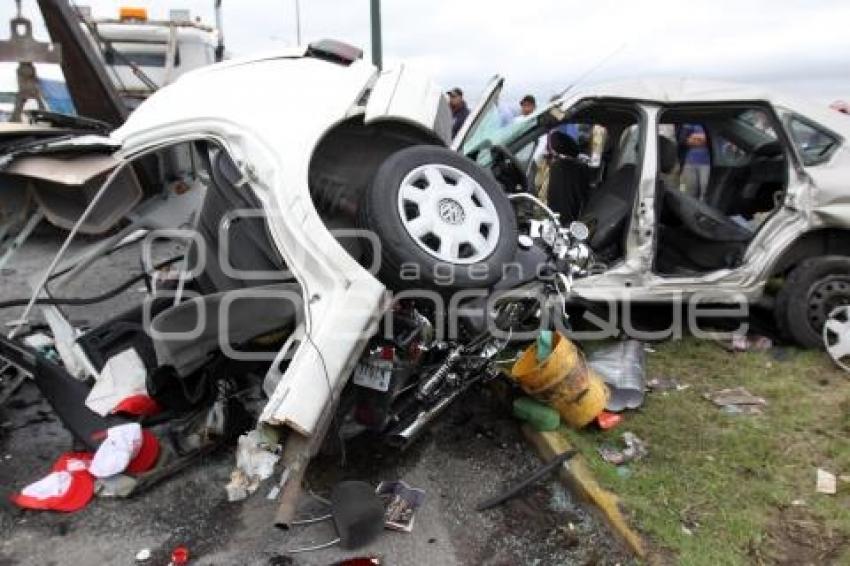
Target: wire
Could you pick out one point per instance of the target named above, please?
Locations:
(72, 301)
(117, 248)
(312, 520)
(313, 548)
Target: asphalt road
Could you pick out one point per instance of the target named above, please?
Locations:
(473, 452)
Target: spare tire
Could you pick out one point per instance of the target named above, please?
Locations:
(444, 223)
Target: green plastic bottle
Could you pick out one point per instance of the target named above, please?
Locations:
(540, 416)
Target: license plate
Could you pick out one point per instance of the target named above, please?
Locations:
(374, 375)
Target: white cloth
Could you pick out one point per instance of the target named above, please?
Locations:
(122, 444)
(123, 376)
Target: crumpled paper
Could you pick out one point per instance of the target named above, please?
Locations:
(255, 462)
(635, 450)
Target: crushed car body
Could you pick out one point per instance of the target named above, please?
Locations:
(243, 110)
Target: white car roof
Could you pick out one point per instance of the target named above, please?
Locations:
(682, 90)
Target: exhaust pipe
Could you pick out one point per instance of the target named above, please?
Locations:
(403, 435)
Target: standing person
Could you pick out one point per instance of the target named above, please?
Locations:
(527, 105)
(460, 110)
(695, 159)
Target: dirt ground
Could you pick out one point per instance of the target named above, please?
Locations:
(473, 452)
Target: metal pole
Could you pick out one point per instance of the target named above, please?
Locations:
(377, 49)
(219, 24)
(298, 20)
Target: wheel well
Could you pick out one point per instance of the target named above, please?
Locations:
(829, 241)
(347, 158)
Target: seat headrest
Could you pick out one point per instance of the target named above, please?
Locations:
(563, 144)
(668, 154)
(768, 149)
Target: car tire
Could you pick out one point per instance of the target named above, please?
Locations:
(443, 222)
(811, 292)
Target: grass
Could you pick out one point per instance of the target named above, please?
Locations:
(737, 482)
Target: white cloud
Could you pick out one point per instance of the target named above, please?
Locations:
(541, 46)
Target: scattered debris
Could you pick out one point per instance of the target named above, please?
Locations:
(401, 502)
(255, 461)
(607, 420)
(179, 556)
(117, 486)
(358, 513)
(540, 416)
(745, 410)
(826, 482)
(533, 477)
(623, 367)
(635, 450)
(359, 561)
(358, 516)
(737, 401)
(663, 384)
(744, 343)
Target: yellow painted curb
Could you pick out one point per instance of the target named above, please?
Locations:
(579, 478)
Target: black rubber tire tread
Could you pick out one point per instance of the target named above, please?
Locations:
(378, 212)
(791, 308)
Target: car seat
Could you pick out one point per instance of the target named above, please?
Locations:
(569, 178)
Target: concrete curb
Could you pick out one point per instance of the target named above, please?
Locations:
(578, 477)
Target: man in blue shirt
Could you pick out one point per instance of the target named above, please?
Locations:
(695, 159)
(460, 111)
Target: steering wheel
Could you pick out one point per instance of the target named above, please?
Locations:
(508, 170)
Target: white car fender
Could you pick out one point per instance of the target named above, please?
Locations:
(272, 138)
(405, 95)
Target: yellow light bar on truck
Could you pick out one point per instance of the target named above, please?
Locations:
(138, 14)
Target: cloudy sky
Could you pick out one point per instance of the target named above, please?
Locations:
(541, 46)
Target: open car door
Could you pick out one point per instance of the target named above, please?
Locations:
(484, 119)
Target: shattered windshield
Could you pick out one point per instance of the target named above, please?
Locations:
(497, 129)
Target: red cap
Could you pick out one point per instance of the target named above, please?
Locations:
(80, 491)
(147, 456)
(138, 406)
